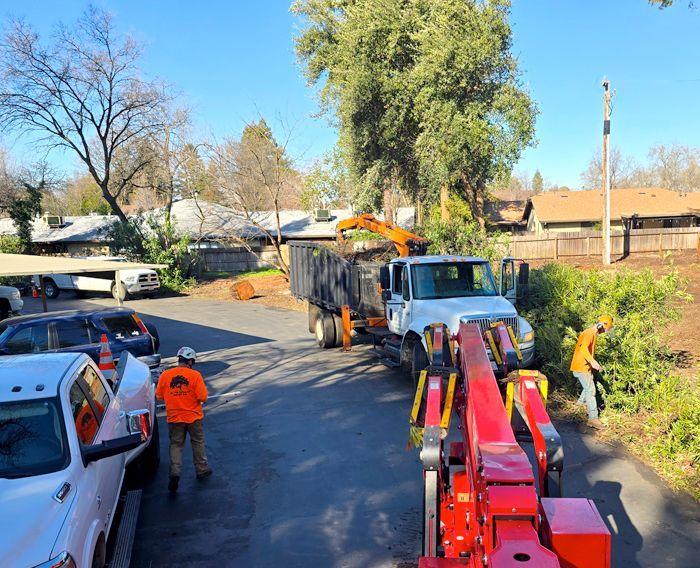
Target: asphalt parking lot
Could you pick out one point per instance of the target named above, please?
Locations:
(308, 448)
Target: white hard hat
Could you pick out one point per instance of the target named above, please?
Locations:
(187, 353)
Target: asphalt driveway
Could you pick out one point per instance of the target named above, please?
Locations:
(308, 448)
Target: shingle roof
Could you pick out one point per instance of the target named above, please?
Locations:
(587, 205)
(83, 229)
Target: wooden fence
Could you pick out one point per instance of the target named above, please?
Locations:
(238, 259)
(553, 245)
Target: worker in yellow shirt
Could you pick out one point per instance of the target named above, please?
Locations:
(583, 364)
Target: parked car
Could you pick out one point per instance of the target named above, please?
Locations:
(10, 302)
(80, 331)
(134, 281)
(66, 437)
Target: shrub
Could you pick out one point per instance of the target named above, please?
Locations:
(647, 403)
(147, 240)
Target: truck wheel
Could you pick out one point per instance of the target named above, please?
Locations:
(153, 330)
(418, 360)
(50, 289)
(124, 295)
(99, 556)
(338, 324)
(325, 330)
(314, 312)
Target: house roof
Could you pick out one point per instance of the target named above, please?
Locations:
(506, 211)
(587, 205)
(202, 219)
(84, 229)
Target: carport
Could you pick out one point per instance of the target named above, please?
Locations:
(33, 265)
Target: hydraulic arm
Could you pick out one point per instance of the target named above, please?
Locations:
(406, 243)
(481, 502)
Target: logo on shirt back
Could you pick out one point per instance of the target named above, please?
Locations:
(177, 382)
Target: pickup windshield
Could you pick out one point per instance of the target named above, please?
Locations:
(32, 438)
(452, 280)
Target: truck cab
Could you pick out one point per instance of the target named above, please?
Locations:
(422, 290)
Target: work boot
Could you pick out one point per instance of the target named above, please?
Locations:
(595, 424)
(206, 473)
(173, 483)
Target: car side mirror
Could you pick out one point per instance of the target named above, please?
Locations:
(110, 448)
(384, 278)
(139, 422)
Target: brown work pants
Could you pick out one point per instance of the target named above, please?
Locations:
(178, 431)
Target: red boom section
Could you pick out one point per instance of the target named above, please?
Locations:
(485, 510)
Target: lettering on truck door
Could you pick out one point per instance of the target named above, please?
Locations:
(399, 306)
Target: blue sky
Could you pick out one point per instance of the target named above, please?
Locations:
(234, 60)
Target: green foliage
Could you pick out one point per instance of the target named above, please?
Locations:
(461, 235)
(639, 384)
(147, 240)
(425, 93)
(537, 182)
(326, 184)
(23, 208)
(10, 245)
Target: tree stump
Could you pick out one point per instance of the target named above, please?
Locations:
(243, 290)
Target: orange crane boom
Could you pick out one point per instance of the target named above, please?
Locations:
(406, 243)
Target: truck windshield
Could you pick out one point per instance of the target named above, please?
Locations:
(452, 280)
(32, 438)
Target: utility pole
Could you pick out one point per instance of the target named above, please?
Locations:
(607, 96)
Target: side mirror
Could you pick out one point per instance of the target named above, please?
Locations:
(384, 278)
(111, 448)
(139, 422)
(523, 280)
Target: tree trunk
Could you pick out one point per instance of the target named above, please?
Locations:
(114, 206)
(388, 205)
(475, 197)
(444, 202)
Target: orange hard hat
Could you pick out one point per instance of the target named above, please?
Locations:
(606, 321)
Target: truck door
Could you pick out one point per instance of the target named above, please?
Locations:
(507, 282)
(399, 305)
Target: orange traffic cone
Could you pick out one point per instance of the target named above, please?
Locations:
(35, 292)
(107, 366)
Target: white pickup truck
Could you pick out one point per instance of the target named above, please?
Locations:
(66, 437)
(10, 302)
(134, 281)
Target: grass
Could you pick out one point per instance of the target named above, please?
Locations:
(257, 273)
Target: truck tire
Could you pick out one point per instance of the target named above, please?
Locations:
(4, 309)
(325, 330)
(418, 360)
(153, 330)
(338, 324)
(314, 312)
(50, 289)
(125, 294)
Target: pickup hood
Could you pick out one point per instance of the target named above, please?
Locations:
(7, 291)
(31, 519)
(450, 310)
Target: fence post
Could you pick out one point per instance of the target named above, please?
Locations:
(588, 246)
(556, 247)
(661, 241)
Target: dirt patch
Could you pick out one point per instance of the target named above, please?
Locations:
(272, 290)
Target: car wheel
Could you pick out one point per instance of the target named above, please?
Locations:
(50, 289)
(325, 330)
(124, 294)
(153, 330)
(99, 556)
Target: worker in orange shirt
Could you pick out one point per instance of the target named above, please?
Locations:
(183, 390)
(583, 363)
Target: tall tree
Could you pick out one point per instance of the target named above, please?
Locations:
(82, 92)
(623, 170)
(422, 91)
(537, 182)
(361, 52)
(255, 175)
